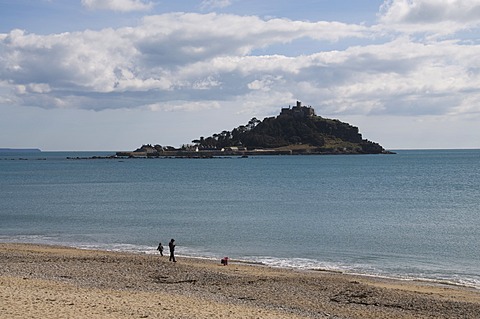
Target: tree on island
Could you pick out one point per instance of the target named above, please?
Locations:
(293, 127)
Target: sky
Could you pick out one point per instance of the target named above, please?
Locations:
(112, 75)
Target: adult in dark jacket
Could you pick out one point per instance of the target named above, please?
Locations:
(171, 245)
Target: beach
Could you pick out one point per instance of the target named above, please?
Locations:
(38, 281)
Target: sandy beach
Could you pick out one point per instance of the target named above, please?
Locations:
(58, 282)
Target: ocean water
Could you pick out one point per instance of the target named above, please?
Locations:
(413, 215)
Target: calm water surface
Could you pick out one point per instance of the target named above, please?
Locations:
(413, 215)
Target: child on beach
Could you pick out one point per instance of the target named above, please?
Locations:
(160, 249)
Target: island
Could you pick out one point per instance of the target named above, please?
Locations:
(296, 130)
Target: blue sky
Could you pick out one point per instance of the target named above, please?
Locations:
(116, 74)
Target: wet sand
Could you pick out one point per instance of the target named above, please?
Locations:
(39, 281)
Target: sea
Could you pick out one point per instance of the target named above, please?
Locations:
(413, 215)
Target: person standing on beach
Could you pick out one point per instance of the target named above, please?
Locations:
(160, 249)
(171, 245)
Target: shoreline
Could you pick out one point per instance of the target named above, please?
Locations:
(407, 280)
(42, 281)
(151, 251)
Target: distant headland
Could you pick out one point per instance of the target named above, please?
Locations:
(296, 130)
(19, 150)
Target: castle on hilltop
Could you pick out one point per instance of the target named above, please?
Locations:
(298, 111)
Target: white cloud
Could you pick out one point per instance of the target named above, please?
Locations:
(204, 61)
(400, 77)
(172, 52)
(212, 4)
(118, 5)
(39, 88)
(183, 106)
(435, 16)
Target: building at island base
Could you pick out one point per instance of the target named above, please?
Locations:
(228, 152)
